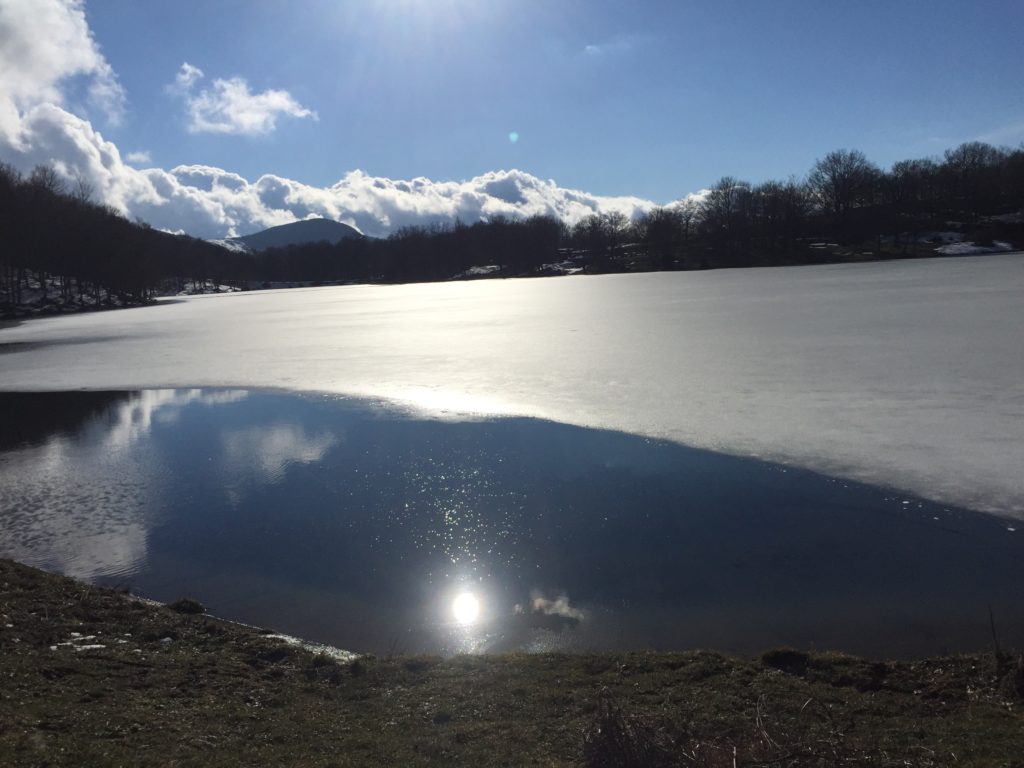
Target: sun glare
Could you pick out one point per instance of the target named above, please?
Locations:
(466, 608)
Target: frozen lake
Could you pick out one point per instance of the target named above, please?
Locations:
(907, 374)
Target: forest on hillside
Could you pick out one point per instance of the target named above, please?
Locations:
(61, 249)
(61, 244)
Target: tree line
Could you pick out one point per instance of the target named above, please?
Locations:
(845, 208)
(57, 239)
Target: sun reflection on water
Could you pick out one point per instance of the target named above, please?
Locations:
(466, 609)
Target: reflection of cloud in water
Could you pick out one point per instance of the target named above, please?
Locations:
(548, 614)
(271, 449)
(134, 419)
(83, 505)
(557, 607)
(68, 510)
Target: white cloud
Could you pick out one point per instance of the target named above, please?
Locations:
(43, 43)
(210, 202)
(187, 76)
(229, 107)
(378, 206)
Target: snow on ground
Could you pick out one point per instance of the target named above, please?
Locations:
(482, 271)
(340, 656)
(970, 249)
(905, 373)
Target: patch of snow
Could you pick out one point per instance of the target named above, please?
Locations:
(970, 249)
(235, 246)
(337, 654)
(562, 267)
(482, 271)
(79, 643)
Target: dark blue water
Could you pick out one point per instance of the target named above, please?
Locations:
(348, 523)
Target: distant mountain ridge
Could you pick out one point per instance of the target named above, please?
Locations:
(296, 233)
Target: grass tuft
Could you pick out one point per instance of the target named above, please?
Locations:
(787, 660)
(617, 741)
(187, 606)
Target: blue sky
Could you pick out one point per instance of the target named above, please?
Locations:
(651, 100)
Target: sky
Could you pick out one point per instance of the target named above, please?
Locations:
(221, 118)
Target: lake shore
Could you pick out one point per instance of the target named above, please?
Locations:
(95, 677)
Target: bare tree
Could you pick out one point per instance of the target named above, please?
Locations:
(781, 209)
(972, 169)
(841, 181)
(908, 188)
(725, 214)
(601, 234)
(689, 216)
(45, 178)
(82, 189)
(660, 230)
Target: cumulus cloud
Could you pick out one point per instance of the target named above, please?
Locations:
(378, 206)
(229, 107)
(43, 43)
(211, 202)
(187, 76)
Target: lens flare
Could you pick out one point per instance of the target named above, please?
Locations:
(466, 608)
(513, 137)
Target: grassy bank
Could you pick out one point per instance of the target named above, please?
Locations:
(92, 677)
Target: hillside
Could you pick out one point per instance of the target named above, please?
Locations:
(296, 233)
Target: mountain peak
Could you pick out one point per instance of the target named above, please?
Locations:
(295, 233)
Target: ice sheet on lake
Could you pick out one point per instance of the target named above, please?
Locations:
(907, 373)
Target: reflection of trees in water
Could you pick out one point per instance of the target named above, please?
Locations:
(32, 418)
